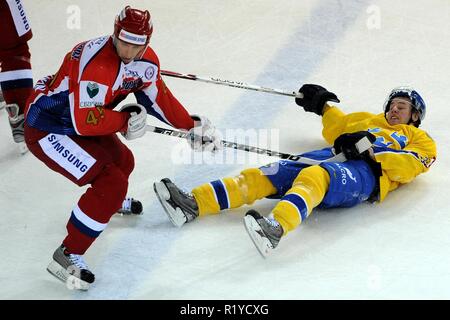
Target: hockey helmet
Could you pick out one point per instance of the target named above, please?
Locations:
(133, 26)
(407, 92)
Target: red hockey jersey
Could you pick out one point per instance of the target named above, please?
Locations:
(91, 82)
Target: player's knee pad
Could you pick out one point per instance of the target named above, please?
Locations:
(351, 182)
(127, 162)
(313, 174)
(312, 183)
(254, 185)
(112, 186)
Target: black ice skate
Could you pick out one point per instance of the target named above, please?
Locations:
(264, 232)
(70, 269)
(180, 206)
(131, 206)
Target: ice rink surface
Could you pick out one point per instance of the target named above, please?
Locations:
(399, 249)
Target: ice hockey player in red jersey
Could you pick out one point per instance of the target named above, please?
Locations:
(70, 125)
(16, 78)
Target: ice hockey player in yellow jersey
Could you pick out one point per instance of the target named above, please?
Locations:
(398, 151)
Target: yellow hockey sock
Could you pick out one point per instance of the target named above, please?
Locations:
(307, 192)
(233, 192)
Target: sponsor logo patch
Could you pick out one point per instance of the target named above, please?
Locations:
(92, 94)
(132, 38)
(345, 174)
(68, 154)
(92, 89)
(19, 17)
(131, 83)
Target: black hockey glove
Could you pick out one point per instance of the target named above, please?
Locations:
(348, 144)
(314, 98)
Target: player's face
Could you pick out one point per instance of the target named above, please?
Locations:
(400, 112)
(127, 51)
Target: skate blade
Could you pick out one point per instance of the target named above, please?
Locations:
(129, 213)
(176, 215)
(72, 282)
(254, 231)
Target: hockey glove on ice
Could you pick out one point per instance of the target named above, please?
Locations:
(355, 146)
(204, 136)
(314, 98)
(137, 121)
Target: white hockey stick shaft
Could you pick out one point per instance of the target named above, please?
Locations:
(230, 83)
(286, 156)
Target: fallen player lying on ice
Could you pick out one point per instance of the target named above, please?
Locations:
(399, 151)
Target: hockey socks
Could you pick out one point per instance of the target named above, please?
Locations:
(307, 192)
(233, 192)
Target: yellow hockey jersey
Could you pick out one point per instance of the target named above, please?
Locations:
(404, 151)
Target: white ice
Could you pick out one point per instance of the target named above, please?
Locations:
(399, 249)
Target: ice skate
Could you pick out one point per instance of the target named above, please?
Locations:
(180, 206)
(264, 232)
(17, 122)
(131, 206)
(70, 269)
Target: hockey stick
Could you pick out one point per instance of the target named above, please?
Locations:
(230, 83)
(362, 146)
